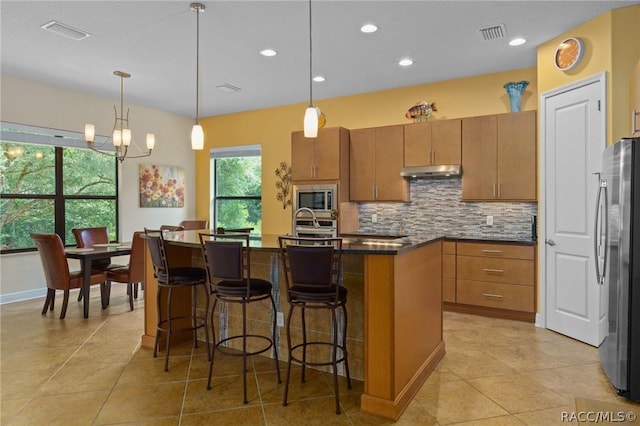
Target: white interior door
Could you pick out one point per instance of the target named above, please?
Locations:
(574, 138)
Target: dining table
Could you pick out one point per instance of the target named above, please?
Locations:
(87, 255)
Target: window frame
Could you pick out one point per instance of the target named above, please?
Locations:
(58, 196)
(231, 152)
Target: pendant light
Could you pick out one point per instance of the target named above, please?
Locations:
(311, 114)
(197, 134)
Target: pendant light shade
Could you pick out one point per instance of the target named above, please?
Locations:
(197, 134)
(311, 122)
(197, 137)
(311, 114)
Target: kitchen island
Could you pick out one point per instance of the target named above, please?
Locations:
(394, 334)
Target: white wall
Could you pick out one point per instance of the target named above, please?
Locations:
(33, 103)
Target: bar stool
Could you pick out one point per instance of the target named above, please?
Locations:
(312, 269)
(170, 279)
(228, 263)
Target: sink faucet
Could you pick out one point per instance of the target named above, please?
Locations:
(311, 212)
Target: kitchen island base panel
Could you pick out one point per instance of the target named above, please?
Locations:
(393, 409)
(394, 308)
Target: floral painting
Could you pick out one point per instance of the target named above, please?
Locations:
(161, 186)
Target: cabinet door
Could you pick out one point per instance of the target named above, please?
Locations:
(517, 156)
(446, 142)
(417, 144)
(301, 157)
(326, 154)
(389, 158)
(362, 164)
(479, 157)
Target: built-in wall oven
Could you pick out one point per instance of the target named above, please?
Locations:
(315, 210)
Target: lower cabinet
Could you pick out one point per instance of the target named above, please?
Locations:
(496, 279)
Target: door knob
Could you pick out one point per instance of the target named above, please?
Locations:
(550, 242)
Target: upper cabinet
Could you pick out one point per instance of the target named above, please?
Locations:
(433, 143)
(325, 157)
(376, 158)
(499, 157)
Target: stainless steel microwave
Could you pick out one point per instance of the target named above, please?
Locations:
(322, 199)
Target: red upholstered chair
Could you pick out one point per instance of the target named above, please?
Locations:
(87, 237)
(133, 273)
(57, 274)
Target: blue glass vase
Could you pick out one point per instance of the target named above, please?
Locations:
(515, 91)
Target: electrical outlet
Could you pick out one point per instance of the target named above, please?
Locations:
(490, 220)
(280, 319)
(374, 218)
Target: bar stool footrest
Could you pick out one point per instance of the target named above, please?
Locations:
(234, 352)
(317, 364)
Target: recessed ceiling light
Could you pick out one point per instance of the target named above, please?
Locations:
(405, 62)
(369, 28)
(517, 41)
(318, 78)
(268, 52)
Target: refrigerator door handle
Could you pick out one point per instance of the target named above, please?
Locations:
(602, 187)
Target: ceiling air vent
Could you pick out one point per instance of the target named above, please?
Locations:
(494, 32)
(228, 88)
(65, 30)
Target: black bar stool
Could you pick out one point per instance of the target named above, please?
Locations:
(170, 279)
(228, 263)
(312, 269)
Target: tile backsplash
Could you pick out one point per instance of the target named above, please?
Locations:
(435, 207)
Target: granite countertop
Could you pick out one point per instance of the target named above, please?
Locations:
(356, 244)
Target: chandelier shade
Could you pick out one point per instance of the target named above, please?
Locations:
(121, 133)
(197, 134)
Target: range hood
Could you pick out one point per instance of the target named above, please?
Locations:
(432, 171)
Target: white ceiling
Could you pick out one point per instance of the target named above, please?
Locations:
(155, 42)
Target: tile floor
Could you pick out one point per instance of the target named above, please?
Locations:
(92, 372)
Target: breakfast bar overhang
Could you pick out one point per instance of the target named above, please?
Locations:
(395, 309)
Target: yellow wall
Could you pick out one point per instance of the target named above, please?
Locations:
(611, 45)
(272, 127)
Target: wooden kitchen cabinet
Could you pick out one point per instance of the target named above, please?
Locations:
(433, 143)
(499, 157)
(449, 271)
(320, 158)
(376, 157)
(496, 279)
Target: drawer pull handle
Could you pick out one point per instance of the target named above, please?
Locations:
(498, 271)
(492, 251)
(497, 296)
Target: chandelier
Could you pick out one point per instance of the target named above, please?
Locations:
(121, 134)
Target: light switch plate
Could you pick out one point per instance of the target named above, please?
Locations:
(490, 220)
(280, 319)
(374, 218)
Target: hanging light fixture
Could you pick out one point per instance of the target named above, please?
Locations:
(197, 134)
(311, 114)
(121, 134)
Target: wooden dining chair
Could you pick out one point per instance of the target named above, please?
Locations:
(190, 225)
(221, 230)
(57, 274)
(171, 228)
(133, 273)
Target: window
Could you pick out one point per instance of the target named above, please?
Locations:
(236, 182)
(49, 183)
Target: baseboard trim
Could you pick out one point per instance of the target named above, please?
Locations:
(22, 295)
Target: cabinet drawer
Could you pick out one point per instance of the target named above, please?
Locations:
(449, 266)
(496, 250)
(507, 271)
(502, 296)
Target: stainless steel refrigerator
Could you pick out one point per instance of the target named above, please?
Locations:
(617, 251)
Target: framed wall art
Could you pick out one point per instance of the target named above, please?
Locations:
(161, 186)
